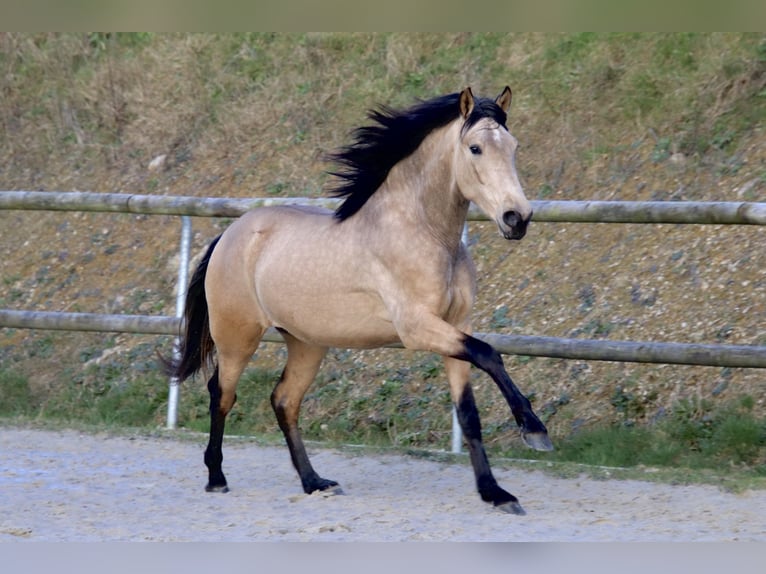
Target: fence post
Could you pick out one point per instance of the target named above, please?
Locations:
(183, 274)
(457, 432)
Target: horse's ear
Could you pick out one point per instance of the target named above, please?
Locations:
(466, 103)
(504, 99)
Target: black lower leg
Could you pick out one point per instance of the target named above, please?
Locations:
(486, 358)
(214, 452)
(489, 490)
(310, 480)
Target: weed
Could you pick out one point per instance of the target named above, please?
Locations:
(587, 296)
(645, 94)
(101, 41)
(570, 48)
(17, 399)
(730, 433)
(545, 191)
(276, 188)
(595, 327)
(500, 319)
(737, 438)
(677, 51)
(661, 150)
(632, 401)
(614, 446)
(43, 347)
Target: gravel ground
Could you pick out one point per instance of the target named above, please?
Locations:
(69, 486)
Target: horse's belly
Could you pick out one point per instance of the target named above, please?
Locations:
(353, 321)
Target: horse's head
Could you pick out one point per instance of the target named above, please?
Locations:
(485, 163)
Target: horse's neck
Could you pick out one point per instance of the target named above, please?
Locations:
(420, 194)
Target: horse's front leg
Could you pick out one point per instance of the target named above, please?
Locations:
(421, 330)
(468, 415)
(486, 358)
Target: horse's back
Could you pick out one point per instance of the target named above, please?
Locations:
(246, 242)
(254, 230)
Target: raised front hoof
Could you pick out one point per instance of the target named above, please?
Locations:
(511, 507)
(537, 440)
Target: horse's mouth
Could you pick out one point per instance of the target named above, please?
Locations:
(513, 226)
(515, 233)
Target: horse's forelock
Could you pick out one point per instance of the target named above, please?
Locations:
(485, 108)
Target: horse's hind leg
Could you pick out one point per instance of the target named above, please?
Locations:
(468, 415)
(303, 361)
(213, 453)
(222, 387)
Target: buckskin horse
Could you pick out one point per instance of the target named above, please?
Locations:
(387, 265)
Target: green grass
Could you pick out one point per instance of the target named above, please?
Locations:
(136, 404)
(696, 441)
(695, 436)
(17, 397)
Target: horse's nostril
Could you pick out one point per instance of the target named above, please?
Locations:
(512, 219)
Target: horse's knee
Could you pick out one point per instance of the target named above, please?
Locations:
(480, 354)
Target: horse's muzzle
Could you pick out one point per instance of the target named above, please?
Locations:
(514, 226)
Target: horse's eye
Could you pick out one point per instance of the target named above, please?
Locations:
(475, 150)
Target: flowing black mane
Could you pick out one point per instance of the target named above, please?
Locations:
(397, 133)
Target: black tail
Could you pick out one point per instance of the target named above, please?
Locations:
(196, 343)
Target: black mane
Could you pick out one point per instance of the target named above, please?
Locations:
(394, 136)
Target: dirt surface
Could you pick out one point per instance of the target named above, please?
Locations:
(69, 486)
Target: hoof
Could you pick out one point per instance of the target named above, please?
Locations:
(322, 485)
(334, 490)
(500, 499)
(218, 488)
(511, 507)
(537, 441)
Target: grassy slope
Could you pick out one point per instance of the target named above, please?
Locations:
(620, 116)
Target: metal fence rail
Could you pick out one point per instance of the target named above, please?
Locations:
(691, 212)
(747, 356)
